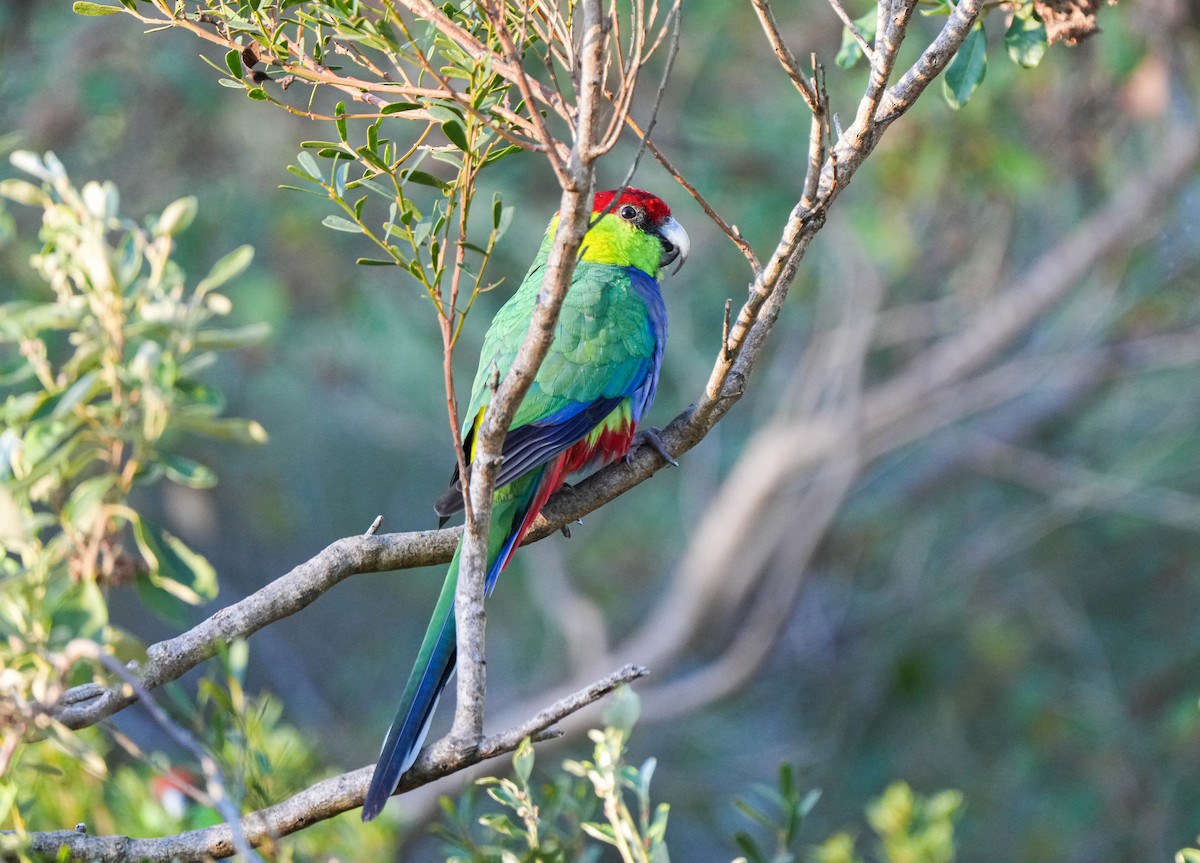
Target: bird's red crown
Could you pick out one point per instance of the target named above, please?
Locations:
(653, 206)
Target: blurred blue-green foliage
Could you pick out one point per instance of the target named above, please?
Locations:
(961, 626)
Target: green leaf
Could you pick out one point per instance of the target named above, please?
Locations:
(497, 155)
(81, 508)
(226, 268)
(749, 847)
(233, 62)
(258, 94)
(184, 471)
(603, 832)
(340, 224)
(174, 567)
(399, 107)
(967, 70)
(236, 337)
(454, 133)
(22, 192)
(850, 52)
(338, 179)
(754, 815)
(231, 429)
(93, 9)
(237, 656)
(1025, 40)
(373, 262)
(176, 217)
(787, 779)
(78, 393)
(422, 178)
(623, 709)
(500, 824)
(308, 163)
(340, 120)
(523, 762)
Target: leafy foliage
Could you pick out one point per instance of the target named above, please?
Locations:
(1025, 41)
(555, 822)
(124, 790)
(910, 828)
(100, 382)
(783, 815)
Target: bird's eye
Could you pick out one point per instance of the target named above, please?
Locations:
(628, 212)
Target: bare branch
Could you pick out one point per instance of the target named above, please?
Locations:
(169, 660)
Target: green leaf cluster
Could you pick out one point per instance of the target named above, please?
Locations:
(100, 383)
(402, 163)
(782, 811)
(261, 758)
(99, 380)
(1025, 42)
(587, 806)
(911, 828)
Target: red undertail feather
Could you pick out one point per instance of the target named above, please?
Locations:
(610, 444)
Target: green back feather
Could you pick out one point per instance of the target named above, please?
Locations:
(603, 337)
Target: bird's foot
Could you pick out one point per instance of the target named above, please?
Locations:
(569, 489)
(649, 437)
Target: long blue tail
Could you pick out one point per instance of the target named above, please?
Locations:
(430, 674)
(435, 660)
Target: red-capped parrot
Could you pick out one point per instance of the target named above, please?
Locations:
(596, 383)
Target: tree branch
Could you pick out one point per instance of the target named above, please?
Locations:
(321, 801)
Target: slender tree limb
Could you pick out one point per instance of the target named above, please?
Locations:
(168, 660)
(323, 800)
(787, 59)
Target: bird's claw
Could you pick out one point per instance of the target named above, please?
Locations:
(566, 528)
(650, 438)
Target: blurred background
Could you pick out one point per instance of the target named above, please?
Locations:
(996, 593)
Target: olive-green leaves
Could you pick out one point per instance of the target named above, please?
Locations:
(967, 70)
(100, 393)
(1024, 41)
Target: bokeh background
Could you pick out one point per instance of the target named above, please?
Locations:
(1006, 604)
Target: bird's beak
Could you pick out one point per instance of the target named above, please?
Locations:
(675, 243)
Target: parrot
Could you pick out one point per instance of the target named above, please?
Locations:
(580, 413)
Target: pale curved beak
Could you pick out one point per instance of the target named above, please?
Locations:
(675, 243)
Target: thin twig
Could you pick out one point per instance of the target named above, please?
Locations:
(729, 230)
(786, 58)
(863, 44)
